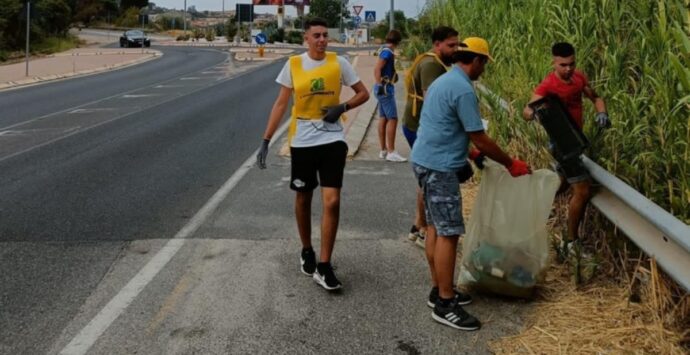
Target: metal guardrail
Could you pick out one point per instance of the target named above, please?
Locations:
(657, 232)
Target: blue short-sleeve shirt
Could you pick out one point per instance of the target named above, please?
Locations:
(450, 112)
(389, 68)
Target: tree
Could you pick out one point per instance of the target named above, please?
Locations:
(231, 29)
(11, 24)
(86, 11)
(400, 23)
(330, 10)
(56, 17)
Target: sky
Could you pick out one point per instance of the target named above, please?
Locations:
(410, 7)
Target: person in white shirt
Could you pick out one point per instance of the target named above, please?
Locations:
(317, 141)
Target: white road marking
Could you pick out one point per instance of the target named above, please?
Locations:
(191, 78)
(90, 110)
(88, 336)
(134, 96)
(168, 86)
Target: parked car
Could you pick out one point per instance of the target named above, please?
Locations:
(134, 38)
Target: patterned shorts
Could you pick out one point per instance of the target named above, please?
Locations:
(442, 200)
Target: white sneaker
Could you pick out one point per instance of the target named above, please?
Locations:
(394, 156)
(382, 154)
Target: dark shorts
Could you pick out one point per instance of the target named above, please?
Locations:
(572, 169)
(442, 200)
(328, 161)
(410, 136)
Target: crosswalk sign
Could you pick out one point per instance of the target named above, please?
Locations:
(370, 16)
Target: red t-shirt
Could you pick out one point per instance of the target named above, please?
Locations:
(570, 94)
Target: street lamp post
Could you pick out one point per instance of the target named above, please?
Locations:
(184, 17)
(28, 21)
(391, 17)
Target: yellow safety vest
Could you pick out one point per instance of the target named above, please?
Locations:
(313, 89)
(410, 84)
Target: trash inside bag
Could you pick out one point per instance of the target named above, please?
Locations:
(505, 250)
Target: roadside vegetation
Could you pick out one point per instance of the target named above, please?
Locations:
(636, 54)
(52, 19)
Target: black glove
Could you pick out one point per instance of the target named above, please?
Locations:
(332, 113)
(380, 90)
(261, 155)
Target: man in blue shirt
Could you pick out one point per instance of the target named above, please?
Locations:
(450, 120)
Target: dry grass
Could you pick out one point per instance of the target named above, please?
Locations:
(624, 306)
(597, 318)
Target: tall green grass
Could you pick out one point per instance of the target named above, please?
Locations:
(636, 54)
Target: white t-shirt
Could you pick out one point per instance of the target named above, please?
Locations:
(310, 133)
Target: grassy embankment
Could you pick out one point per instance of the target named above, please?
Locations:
(636, 54)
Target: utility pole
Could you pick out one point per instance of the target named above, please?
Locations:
(184, 18)
(143, 17)
(391, 16)
(28, 21)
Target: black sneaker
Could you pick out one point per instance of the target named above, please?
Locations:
(308, 260)
(461, 298)
(325, 277)
(454, 316)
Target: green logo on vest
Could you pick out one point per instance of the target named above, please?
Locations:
(318, 84)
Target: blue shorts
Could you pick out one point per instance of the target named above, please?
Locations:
(411, 136)
(442, 200)
(387, 106)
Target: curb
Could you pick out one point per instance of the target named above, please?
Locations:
(109, 67)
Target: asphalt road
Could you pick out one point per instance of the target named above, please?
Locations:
(95, 162)
(95, 203)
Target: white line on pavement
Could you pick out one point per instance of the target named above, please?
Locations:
(134, 96)
(83, 341)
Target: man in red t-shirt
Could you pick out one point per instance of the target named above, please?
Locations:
(569, 85)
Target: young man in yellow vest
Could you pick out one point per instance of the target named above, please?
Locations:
(317, 140)
(424, 70)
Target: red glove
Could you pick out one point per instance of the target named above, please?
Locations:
(519, 168)
(474, 154)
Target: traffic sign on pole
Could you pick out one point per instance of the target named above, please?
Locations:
(357, 8)
(261, 38)
(357, 21)
(370, 16)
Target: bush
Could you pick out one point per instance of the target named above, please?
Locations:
(295, 37)
(277, 36)
(183, 37)
(210, 35)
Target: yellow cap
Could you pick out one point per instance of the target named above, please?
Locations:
(476, 45)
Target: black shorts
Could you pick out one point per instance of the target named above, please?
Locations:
(327, 160)
(572, 169)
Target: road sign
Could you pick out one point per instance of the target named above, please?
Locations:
(261, 38)
(245, 11)
(357, 21)
(357, 8)
(370, 16)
